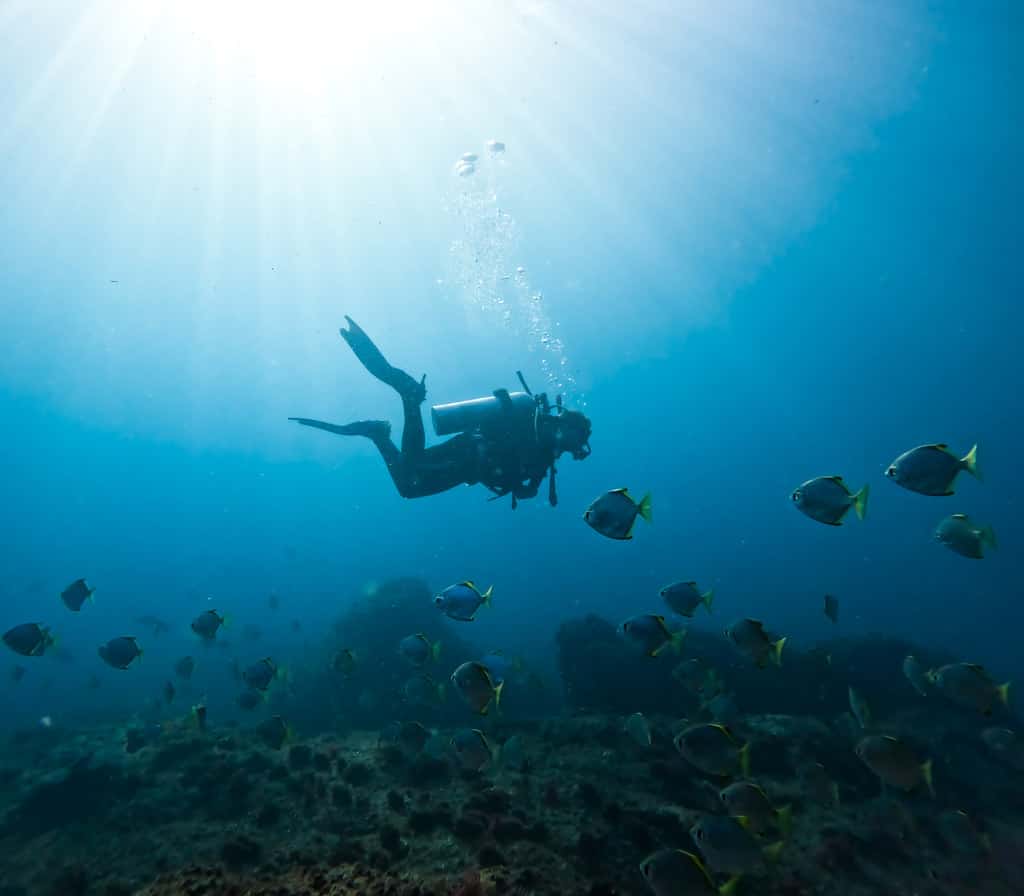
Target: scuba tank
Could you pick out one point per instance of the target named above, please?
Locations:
(461, 416)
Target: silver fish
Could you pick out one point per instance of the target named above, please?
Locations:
(931, 469)
(959, 534)
(827, 500)
(614, 513)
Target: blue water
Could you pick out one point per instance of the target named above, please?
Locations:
(770, 245)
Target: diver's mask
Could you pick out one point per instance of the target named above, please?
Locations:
(572, 434)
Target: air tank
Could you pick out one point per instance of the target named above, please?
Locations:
(460, 416)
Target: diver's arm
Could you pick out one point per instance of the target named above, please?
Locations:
(528, 489)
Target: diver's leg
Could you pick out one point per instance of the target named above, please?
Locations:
(379, 432)
(414, 439)
(377, 364)
(372, 429)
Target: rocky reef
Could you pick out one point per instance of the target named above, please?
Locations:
(573, 812)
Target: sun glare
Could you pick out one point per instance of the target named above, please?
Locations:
(300, 41)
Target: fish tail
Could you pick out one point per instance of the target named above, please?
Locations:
(644, 508)
(772, 853)
(730, 886)
(860, 501)
(744, 755)
(708, 597)
(1004, 693)
(777, 651)
(926, 773)
(970, 462)
(784, 817)
(225, 620)
(487, 596)
(675, 643)
(988, 535)
(435, 650)
(497, 694)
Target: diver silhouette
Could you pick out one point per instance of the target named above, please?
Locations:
(506, 441)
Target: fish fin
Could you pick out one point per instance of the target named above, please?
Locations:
(497, 694)
(745, 760)
(1004, 693)
(487, 596)
(620, 491)
(644, 508)
(675, 642)
(970, 462)
(435, 650)
(708, 598)
(730, 886)
(772, 853)
(784, 819)
(926, 773)
(958, 516)
(777, 651)
(838, 480)
(988, 536)
(860, 501)
(225, 620)
(742, 821)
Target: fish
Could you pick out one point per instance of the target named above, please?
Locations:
(683, 598)
(827, 500)
(650, 633)
(614, 514)
(747, 799)
(750, 639)
(461, 601)
(185, 667)
(1005, 746)
(961, 833)
(274, 732)
(691, 673)
(729, 847)
(29, 639)
(676, 872)
(476, 686)
(963, 537)
(472, 749)
(345, 661)
(859, 708)
(916, 674)
(76, 594)
(969, 685)
(156, 625)
(261, 674)
(207, 623)
(712, 748)
(199, 716)
(638, 728)
(412, 736)
(120, 653)
(169, 691)
(423, 690)
(931, 469)
(832, 608)
(17, 673)
(419, 650)
(249, 699)
(895, 762)
(495, 147)
(722, 708)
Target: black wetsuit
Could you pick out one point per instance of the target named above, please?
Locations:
(509, 457)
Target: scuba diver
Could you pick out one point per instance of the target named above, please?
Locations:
(507, 441)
